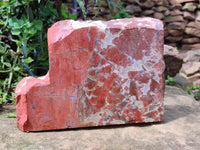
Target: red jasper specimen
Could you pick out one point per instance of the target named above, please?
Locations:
(100, 73)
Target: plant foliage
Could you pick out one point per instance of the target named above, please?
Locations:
(169, 81)
(195, 90)
(23, 37)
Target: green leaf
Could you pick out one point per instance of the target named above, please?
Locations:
(82, 8)
(28, 60)
(16, 32)
(7, 64)
(64, 13)
(11, 116)
(21, 22)
(72, 16)
(37, 24)
(12, 21)
(15, 23)
(19, 43)
(4, 71)
(2, 23)
(122, 14)
(99, 5)
(17, 68)
(2, 49)
(28, 24)
(32, 32)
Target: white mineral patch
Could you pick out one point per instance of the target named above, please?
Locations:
(24, 84)
(146, 19)
(153, 23)
(108, 40)
(117, 122)
(139, 104)
(122, 23)
(149, 120)
(43, 77)
(156, 78)
(99, 67)
(132, 99)
(123, 72)
(92, 78)
(100, 83)
(94, 118)
(84, 24)
(89, 96)
(124, 86)
(146, 87)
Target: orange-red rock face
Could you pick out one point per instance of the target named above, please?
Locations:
(101, 73)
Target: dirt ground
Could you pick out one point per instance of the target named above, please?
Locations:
(180, 130)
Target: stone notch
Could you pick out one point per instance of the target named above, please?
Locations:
(100, 73)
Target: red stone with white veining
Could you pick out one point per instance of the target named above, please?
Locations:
(100, 73)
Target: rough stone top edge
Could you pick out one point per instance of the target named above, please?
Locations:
(61, 29)
(145, 22)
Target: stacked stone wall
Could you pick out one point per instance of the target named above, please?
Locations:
(180, 17)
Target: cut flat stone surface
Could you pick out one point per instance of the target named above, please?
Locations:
(192, 31)
(190, 40)
(173, 61)
(190, 46)
(190, 7)
(180, 130)
(176, 26)
(181, 1)
(174, 38)
(176, 12)
(190, 68)
(188, 15)
(101, 73)
(178, 18)
(194, 25)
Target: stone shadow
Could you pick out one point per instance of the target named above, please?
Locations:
(175, 112)
(8, 108)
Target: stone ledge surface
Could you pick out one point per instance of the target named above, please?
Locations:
(180, 130)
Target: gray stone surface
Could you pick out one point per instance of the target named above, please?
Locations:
(180, 130)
